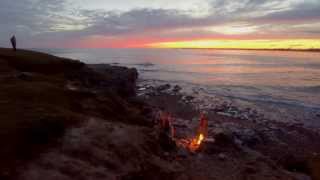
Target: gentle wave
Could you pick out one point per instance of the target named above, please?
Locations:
(144, 64)
(263, 98)
(310, 89)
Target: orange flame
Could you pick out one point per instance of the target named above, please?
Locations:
(200, 139)
(196, 142)
(201, 135)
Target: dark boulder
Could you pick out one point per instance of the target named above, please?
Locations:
(223, 142)
(120, 79)
(176, 88)
(163, 87)
(25, 76)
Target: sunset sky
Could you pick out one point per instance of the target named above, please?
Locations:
(249, 24)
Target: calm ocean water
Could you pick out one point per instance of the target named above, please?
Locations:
(284, 83)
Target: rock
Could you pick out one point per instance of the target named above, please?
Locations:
(222, 156)
(248, 137)
(188, 98)
(151, 93)
(121, 79)
(300, 176)
(176, 88)
(221, 108)
(249, 169)
(224, 114)
(182, 153)
(163, 87)
(71, 87)
(142, 89)
(294, 163)
(224, 139)
(195, 92)
(222, 143)
(210, 140)
(25, 76)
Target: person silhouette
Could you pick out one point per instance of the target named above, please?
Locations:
(14, 43)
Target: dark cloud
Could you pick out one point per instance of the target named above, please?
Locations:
(141, 20)
(304, 11)
(29, 18)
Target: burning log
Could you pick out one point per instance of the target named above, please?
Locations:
(202, 133)
(203, 126)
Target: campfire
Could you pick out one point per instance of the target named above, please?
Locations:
(202, 134)
(193, 143)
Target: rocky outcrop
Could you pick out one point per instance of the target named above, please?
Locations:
(44, 97)
(121, 79)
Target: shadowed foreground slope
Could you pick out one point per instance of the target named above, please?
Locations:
(42, 97)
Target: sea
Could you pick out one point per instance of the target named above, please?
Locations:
(282, 85)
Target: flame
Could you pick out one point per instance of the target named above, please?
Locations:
(200, 139)
(196, 142)
(202, 134)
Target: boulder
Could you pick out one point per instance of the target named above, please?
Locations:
(249, 137)
(120, 79)
(176, 88)
(223, 142)
(163, 87)
(222, 156)
(26, 76)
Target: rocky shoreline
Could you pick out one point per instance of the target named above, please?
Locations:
(62, 119)
(287, 150)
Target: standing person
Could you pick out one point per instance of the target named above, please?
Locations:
(14, 43)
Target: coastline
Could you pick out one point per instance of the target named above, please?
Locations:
(103, 131)
(287, 144)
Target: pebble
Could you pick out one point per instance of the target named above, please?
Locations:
(222, 157)
(163, 87)
(142, 89)
(224, 114)
(188, 98)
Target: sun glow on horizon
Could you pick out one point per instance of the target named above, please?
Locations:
(298, 44)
